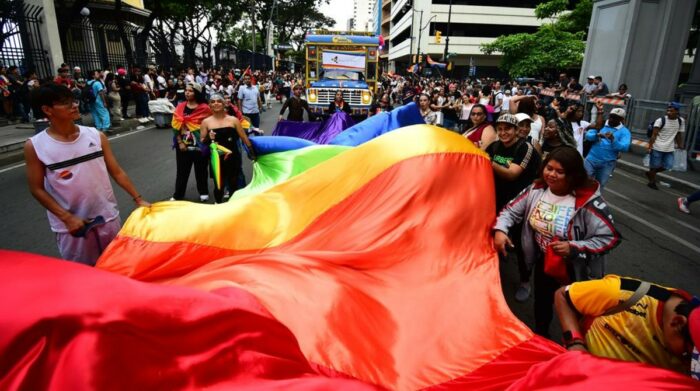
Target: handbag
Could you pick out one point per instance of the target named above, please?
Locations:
(555, 265)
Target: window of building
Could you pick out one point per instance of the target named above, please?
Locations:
(500, 3)
(112, 35)
(402, 11)
(401, 37)
(479, 30)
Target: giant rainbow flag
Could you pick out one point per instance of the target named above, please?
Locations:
(357, 268)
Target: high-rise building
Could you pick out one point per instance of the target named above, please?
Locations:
(362, 14)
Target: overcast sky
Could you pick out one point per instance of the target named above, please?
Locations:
(340, 10)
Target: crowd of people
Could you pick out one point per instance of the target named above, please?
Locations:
(549, 167)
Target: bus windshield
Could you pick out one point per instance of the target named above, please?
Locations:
(338, 74)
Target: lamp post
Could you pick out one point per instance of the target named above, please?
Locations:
(447, 39)
(420, 25)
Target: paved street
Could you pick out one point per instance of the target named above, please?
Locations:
(660, 243)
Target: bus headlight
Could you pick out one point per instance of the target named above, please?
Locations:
(366, 97)
(312, 96)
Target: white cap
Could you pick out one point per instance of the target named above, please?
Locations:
(618, 111)
(522, 117)
(591, 77)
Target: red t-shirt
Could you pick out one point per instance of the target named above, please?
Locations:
(64, 80)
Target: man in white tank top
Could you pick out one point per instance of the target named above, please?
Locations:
(68, 170)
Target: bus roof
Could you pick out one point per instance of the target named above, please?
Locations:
(342, 39)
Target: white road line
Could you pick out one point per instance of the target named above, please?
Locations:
(639, 179)
(656, 228)
(660, 175)
(116, 136)
(637, 204)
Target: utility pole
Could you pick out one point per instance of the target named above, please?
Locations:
(252, 54)
(420, 31)
(270, 34)
(410, 50)
(447, 39)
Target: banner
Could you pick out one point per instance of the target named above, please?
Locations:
(351, 60)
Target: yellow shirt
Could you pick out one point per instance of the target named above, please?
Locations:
(631, 335)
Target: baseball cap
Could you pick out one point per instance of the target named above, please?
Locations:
(508, 118)
(121, 71)
(522, 117)
(618, 111)
(591, 77)
(75, 69)
(196, 86)
(674, 105)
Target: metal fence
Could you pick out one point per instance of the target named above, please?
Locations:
(97, 45)
(22, 45)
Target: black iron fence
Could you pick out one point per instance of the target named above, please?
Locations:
(229, 57)
(20, 40)
(97, 45)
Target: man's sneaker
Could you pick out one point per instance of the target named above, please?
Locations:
(204, 198)
(523, 293)
(683, 205)
(172, 199)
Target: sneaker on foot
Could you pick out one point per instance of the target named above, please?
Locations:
(683, 205)
(523, 293)
(652, 185)
(204, 198)
(172, 199)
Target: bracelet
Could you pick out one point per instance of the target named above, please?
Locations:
(576, 342)
(137, 197)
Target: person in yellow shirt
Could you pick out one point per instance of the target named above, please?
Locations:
(632, 320)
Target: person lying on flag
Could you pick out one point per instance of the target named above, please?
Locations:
(631, 320)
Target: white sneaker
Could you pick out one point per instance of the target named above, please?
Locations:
(150, 118)
(683, 205)
(204, 198)
(172, 199)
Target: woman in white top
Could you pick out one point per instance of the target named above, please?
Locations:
(526, 104)
(465, 107)
(428, 115)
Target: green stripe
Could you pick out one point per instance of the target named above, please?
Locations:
(275, 168)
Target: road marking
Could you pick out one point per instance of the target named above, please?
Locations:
(656, 228)
(116, 136)
(639, 179)
(635, 203)
(659, 175)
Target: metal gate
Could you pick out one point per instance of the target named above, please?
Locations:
(21, 43)
(96, 45)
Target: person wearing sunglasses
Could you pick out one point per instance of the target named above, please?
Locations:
(479, 130)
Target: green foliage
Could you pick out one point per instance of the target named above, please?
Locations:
(557, 45)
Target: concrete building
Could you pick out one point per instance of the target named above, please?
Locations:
(362, 14)
(473, 22)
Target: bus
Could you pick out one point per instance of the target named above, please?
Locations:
(345, 61)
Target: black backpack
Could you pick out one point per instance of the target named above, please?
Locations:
(650, 127)
(87, 95)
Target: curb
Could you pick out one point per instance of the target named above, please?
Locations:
(15, 154)
(676, 183)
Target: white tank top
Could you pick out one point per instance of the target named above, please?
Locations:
(536, 129)
(76, 176)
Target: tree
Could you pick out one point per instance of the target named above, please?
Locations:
(556, 45)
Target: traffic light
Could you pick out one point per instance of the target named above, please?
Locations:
(438, 36)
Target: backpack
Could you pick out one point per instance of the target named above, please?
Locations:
(87, 95)
(650, 127)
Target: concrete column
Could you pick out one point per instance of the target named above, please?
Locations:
(692, 88)
(640, 43)
(49, 33)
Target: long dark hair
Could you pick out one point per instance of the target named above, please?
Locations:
(527, 106)
(572, 162)
(470, 123)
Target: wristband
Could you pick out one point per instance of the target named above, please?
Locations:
(570, 336)
(574, 343)
(137, 197)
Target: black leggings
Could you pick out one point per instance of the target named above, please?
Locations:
(545, 286)
(185, 160)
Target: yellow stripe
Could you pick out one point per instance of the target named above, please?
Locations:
(279, 214)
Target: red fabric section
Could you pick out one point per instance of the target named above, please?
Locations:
(585, 372)
(66, 326)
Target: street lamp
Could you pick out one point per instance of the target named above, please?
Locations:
(85, 11)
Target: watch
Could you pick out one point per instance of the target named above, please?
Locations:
(573, 338)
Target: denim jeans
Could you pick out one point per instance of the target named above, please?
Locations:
(600, 171)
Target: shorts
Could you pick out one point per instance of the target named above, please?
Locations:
(87, 250)
(658, 159)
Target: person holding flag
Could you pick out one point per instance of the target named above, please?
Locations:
(186, 123)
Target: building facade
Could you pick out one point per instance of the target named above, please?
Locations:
(413, 25)
(362, 14)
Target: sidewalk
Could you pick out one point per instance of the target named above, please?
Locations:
(12, 137)
(684, 182)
